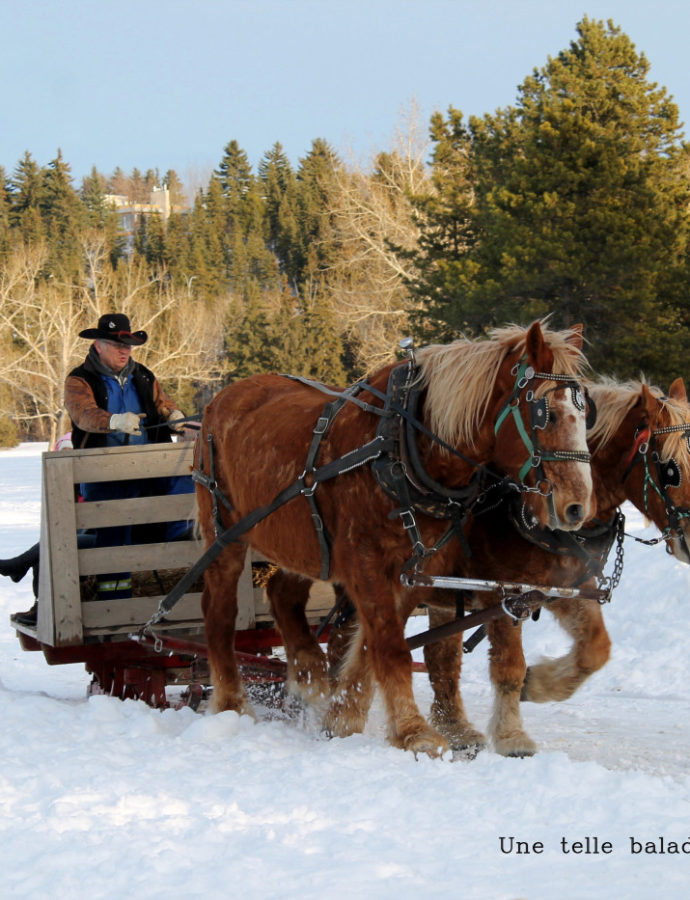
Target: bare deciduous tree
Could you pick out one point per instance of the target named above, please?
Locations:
(375, 222)
(40, 321)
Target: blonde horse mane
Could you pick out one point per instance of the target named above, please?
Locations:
(460, 377)
(615, 399)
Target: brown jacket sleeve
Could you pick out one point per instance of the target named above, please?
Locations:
(87, 415)
(82, 407)
(163, 403)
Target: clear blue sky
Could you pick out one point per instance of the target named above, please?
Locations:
(167, 83)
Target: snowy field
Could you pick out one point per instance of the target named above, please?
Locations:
(105, 799)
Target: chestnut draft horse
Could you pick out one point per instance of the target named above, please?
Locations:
(640, 453)
(481, 402)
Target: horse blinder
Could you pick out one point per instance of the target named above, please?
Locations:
(591, 417)
(669, 472)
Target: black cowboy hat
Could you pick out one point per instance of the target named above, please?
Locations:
(115, 327)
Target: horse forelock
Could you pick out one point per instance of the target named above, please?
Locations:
(568, 357)
(615, 399)
(460, 377)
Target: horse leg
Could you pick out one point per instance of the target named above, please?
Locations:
(380, 648)
(507, 669)
(307, 676)
(342, 633)
(219, 605)
(558, 679)
(353, 684)
(444, 663)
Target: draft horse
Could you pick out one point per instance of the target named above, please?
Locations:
(641, 453)
(479, 404)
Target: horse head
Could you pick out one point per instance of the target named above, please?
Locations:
(516, 404)
(666, 466)
(540, 428)
(641, 453)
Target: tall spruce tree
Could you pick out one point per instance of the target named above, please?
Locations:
(446, 221)
(5, 240)
(26, 188)
(64, 216)
(316, 187)
(579, 209)
(279, 186)
(101, 214)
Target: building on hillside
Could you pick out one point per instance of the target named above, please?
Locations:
(130, 214)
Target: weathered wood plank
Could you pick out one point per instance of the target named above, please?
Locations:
(101, 616)
(142, 461)
(138, 510)
(139, 557)
(61, 555)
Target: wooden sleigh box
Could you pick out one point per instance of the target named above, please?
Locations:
(68, 612)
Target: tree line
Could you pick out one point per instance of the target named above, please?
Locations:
(573, 203)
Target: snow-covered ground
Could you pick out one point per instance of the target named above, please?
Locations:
(105, 799)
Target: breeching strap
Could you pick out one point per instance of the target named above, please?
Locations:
(351, 460)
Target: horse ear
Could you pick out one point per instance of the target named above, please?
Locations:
(650, 405)
(677, 391)
(539, 353)
(575, 337)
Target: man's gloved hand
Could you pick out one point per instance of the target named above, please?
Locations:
(174, 416)
(128, 422)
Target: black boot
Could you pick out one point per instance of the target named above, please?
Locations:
(17, 567)
(26, 618)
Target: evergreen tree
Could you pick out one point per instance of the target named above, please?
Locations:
(101, 215)
(321, 345)
(446, 220)
(178, 196)
(5, 205)
(316, 187)
(177, 248)
(250, 343)
(280, 198)
(579, 209)
(64, 217)
(249, 262)
(119, 184)
(93, 191)
(206, 254)
(153, 239)
(234, 175)
(26, 187)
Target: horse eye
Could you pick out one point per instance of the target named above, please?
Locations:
(553, 418)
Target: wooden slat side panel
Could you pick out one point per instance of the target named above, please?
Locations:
(139, 557)
(45, 624)
(145, 461)
(320, 603)
(61, 555)
(133, 613)
(138, 510)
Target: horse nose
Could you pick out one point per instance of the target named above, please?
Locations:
(574, 513)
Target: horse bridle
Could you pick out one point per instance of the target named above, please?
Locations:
(539, 415)
(668, 474)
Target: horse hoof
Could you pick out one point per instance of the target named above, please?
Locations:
(339, 725)
(467, 752)
(518, 746)
(423, 741)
